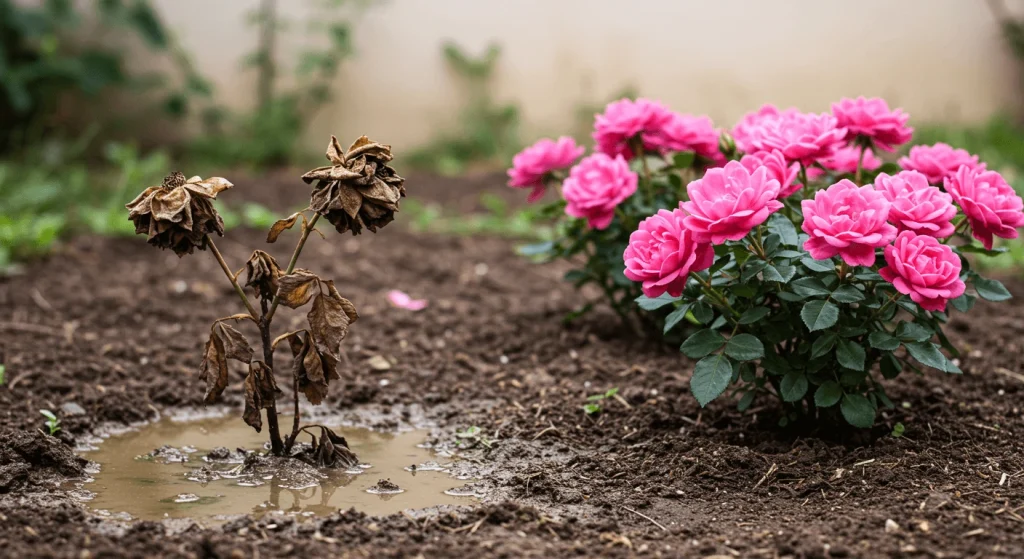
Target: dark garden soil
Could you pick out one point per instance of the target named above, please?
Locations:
(116, 328)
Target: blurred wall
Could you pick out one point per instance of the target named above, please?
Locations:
(938, 59)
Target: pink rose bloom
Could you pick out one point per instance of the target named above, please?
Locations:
(623, 120)
(596, 186)
(991, 205)
(872, 118)
(847, 220)
(777, 167)
(925, 269)
(530, 166)
(661, 253)
(800, 137)
(939, 161)
(730, 201)
(916, 205)
(744, 129)
(683, 132)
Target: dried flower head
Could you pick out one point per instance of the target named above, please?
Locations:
(179, 213)
(358, 189)
(261, 273)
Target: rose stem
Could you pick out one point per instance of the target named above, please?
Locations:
(269, 315)
(295, 257)
(231, 277)
(268, 355)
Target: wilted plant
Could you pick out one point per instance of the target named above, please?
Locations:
(807, 266)
(359, 189)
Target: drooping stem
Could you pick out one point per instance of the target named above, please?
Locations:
(306, 230)
(276, 446)
(231, 278)
(295, 418)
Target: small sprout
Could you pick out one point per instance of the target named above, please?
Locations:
(3, 371)
(592, 406)
(52, 422)
(472, 436)
(897, 430)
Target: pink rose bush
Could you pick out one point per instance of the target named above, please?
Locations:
(534, 165)
(596, 186)
(939, 161)
(790, 260)
(662, 252)
(871, 120)
(728, 202)
(847, 220)
(993, 209)
(915, 205)
(925, 269)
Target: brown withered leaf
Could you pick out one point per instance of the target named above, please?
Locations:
(328, 323)
(260, 392)
(225, 343)
(358, 189)
(281, 225)
(346, 305)
(262, 274)
(296, 289)
(330, 450)
(179, 213)
(312, 369)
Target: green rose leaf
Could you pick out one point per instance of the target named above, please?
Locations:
(793, 386)
(858, 411)
(818, 265)
(990, 289)
(648, 304)
(823, 344)
(701, 343)
(911, 332)
(847, 294)
(751, 316)
(675, 317)
(702, 312)
(883, 340)
(928, 354)
(711, 377)
(819, 314)
(744, 347)
(850, 354)
(828, 394)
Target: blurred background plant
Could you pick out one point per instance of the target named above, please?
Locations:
(270, 134)
(488, 131)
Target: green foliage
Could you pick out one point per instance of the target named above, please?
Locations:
(472, 436)
(52, 422)
(56, 195)
(3, 374)
(52, 51)
(488, 131)
(496, 219)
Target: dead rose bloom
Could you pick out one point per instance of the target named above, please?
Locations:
(179, 213)
(358, 189)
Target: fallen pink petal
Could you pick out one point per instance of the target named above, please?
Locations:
(402, 300)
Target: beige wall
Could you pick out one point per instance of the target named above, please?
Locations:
(939, 59)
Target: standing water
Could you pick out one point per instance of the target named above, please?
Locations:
(195, 469)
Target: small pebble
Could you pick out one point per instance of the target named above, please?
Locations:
(503, 359)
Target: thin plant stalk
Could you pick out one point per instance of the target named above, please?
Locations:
(231, 278)
(306, 230)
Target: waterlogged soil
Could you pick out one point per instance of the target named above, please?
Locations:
(108, 333)
(207, 470)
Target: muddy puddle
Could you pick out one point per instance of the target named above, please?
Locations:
(202, 470)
